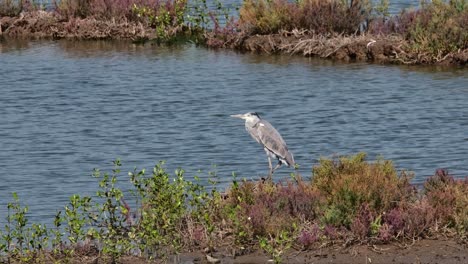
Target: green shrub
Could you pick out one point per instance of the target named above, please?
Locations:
(19, 240)
(163, 208)
(264, 17)
(439, 27)
(351, 182)
(324, 17)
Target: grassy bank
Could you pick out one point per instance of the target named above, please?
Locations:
(436, 32)
(348, 201)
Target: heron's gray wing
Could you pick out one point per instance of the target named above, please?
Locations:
(254, 133)
(272, 140)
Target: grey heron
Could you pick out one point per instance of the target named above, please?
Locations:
(267, 136)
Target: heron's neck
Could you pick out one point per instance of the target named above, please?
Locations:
(251, 122)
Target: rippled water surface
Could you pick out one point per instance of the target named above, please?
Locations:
(67, 107)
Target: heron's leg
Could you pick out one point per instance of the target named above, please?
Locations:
(276, 167)
(270, 174)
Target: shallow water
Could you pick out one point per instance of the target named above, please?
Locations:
(68, 107)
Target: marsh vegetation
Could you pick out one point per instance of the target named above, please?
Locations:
(348, 200)
(434, 32)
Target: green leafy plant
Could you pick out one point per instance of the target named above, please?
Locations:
(112, 215)
(19, 240)
(437, 29)
(76, 217)
(276, 245)
(163, 206)
(57, 235)
(382, 8)
(167, 17)
(16, 227)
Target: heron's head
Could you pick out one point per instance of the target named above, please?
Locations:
(250, 116)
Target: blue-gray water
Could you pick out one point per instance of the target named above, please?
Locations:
(68, 107)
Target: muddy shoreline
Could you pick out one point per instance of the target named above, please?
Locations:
(423, 251)
(428, 251)
(377, 49)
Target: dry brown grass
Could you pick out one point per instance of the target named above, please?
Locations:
(41, 24)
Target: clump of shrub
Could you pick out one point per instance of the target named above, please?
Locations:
(169, 12)
(107, 225)
(222, 35)
(373, 201)
(19, 239)
(13, 8)
(10, 7)
(268, 208)
(271, 216)
(435, 29)
(332, 16)
(266, 17)
(439, 28)
(166, 16)
(322, 17)
(349, 183)
(449, 199)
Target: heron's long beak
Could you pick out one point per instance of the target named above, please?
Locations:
(238, 116)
